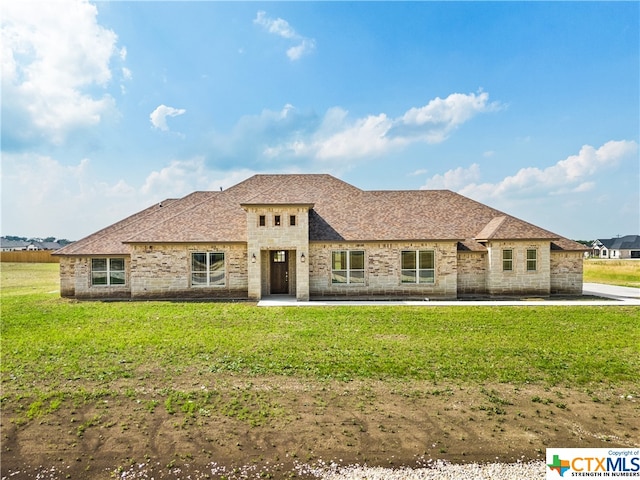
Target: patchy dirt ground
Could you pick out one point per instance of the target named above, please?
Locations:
(246, 427)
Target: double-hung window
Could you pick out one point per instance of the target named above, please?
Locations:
(418, 266)
(507, 260)
(207, 269)
(532, 260)
(347, 266)
(107, 271)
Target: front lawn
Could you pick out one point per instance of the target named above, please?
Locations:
(104, 341)
(202, 390)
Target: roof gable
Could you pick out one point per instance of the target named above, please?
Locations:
(627, 242)
(508, 227)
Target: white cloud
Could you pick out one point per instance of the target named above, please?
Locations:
(567, 173)
(584, 187)
(277, 26)
(298, 51)
(338, 138)
(367, 136)
(437, 119)
(452, 111)
(454, 179)
(281, 28)
(182, 177)
(159, 116)
(51, 53)
(566, 176)
(177, 179)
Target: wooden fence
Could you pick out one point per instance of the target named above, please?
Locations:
(26, 256)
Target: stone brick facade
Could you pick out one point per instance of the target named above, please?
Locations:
(382, 271)
(472, 273)
(278, 228)
(566, 272)
(519, 280)
(67, 276)
(75, 280)
(164, 271)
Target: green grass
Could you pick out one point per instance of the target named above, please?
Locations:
(614, 272)
(28, 278)
(52, 344)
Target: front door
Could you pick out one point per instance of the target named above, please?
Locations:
(279, 271)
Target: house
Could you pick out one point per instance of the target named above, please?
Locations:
(45, 245)
(315, 236)
(7, 245)
(619, 247)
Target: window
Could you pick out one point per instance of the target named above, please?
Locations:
(418, 266)
(279, 256)
(262, 220)
(347, 266)
(532, 260)
(292, 220)
(107, 271)
(207, 269)
(507, 260)
(276, 220)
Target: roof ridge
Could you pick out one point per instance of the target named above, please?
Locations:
(409, 190)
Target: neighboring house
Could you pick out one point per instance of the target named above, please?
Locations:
(7, 245)
(620, 247)
(48, 245)
(314, 236)
(31, 245)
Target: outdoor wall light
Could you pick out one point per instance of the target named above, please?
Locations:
(302, 258)
(253, 258)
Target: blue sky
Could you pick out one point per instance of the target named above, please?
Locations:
(529, 107)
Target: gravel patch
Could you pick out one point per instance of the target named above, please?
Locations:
(438, 470)
(429, 470)
(432, 470)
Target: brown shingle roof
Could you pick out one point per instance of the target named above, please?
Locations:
(471, 246)
(340, 212)
(109, 240)
(568, 246)
(507, 227)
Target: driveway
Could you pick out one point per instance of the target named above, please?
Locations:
(610, 291)
(601, 295)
